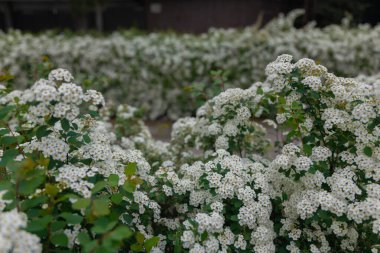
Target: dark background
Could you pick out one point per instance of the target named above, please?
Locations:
(193, 16)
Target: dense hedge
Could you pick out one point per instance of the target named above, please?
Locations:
(154, 71)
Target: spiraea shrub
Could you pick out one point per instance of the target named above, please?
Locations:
(67, 186)
(327, 175)
(81, 176)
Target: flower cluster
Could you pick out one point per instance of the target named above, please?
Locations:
(13, 237)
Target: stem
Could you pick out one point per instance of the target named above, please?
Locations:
(47, 244)
(17, 184)
(17, 189)
(299, 130)
(18, 147)
(331, 162)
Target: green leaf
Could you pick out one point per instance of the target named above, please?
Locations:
(52, 121)
(315, 95)
(204, 236)
(129, 187)
(58, 225)
(51, 190)
(235, 228)
(73, 134)
(90, 246)
(86, 138)
(140, 238)
(374, 123)
(104, 248)
(72, 218)
(5, 77)
(177, 244)
(73, 141)
(237, 203)
(8, 156)
(282, 249)
(42, 131)
(65, 124)
(65, 197)
(291, 134)
(281, 100)
(100, 207)
(117, 198)
(59, 239)
(323, 214)
(99, 186)
(5, 185)
(94, 114)
(296, 105)
(234, 218)
(368, 151)
(136, 247)
(29, 186)
(5, 110)
(7, 140)
(39, 224)
(81, 203)
(130, 169)
(307, 149)
(83, 238)
(121, 232)
(4, 131)
(33, 202)
(103, 225)
(113, 180)
(151, 242)
(313, 169)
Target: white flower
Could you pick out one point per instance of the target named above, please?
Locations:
(61, 75)
(364, 112)
(320, 153)
(221, 143)
(313, 82)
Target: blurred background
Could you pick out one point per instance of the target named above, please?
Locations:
(160, 72)
(193, 16)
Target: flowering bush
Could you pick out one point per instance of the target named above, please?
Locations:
(221, 205)
(224, 122)
(152, 71)
(332, 200)
(66, 181)
(82, 176)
